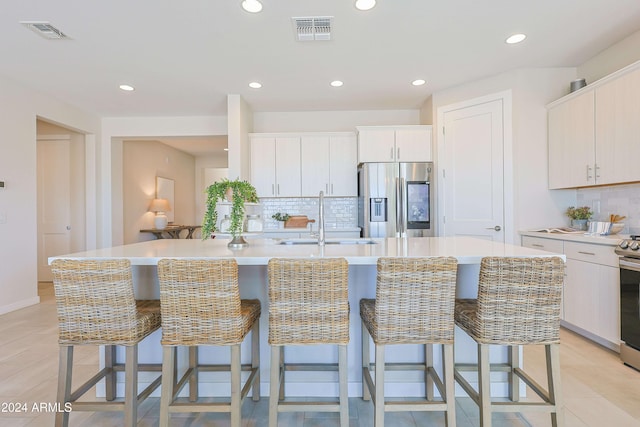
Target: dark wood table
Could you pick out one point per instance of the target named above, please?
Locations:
(172, 231)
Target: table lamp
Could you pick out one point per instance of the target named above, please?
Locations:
(160, 206)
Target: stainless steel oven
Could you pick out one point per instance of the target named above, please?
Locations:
(630, 301)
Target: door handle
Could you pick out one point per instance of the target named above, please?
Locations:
(496, 228)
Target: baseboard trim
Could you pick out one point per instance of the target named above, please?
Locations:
(18, 305)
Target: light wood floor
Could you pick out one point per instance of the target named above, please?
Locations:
(598, 390)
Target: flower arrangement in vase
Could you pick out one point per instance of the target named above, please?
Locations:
(579, 216)
(236, 192)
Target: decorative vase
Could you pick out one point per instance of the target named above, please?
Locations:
(579, 224)
(237, 242)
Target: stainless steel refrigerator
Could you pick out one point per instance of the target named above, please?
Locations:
(395, 199)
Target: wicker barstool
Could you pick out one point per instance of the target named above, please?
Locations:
(414, 305)
(518, 304)
(96, 306)
(308, 304)
(201, 305)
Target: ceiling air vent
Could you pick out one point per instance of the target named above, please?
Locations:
(312, 28)
(44, 29)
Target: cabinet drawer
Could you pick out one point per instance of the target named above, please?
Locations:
(598, 254)
(549, 245)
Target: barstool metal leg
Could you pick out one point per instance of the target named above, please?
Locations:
(514, 380)
(378, 418)
(274, 385)
(168, 383)
(342, 374)
(282, 373)
(366, 361)
(428, 363)
(65, 366)
(110, 379)
(236, 386)
(255, 360)
(552, 352)
(194, 378)
(449, 384)
(484, 385)
(131, 386)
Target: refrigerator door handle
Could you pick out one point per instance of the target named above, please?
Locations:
(402, 232)
(403, 207)
(398, 208)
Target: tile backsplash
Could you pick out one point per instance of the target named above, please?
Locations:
(339, 212)
(615, 199)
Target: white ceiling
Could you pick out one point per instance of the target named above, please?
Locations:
(184, 57)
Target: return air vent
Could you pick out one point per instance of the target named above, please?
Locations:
(44, 29)
(312, 28)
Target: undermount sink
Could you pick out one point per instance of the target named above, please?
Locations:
(304, 241)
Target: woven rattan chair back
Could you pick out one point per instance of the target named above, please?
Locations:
(95, 302)
(200, 302)
(308, 301)
(415, 300)
(519, 300)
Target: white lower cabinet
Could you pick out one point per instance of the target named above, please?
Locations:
(591, 298)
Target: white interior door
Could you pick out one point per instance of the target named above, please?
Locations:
(473, 172)
(54, 202)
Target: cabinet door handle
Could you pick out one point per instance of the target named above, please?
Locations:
(391, 153)
(535, 245)
(278, 189)
(597, 171)
(331, 188)
(586, 253)
(398, 153)
(326, 188)
(589, 173)
(273, 189)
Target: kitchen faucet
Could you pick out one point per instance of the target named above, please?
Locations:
(321, 219)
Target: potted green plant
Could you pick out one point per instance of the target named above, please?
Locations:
(236, 192)
(579, 216)
(281, 217)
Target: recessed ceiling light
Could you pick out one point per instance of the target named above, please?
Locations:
(365, 4)
(252, 6)
(127, 88)
(225, 149)
(336, 83)
(255, 85)
(418, 82)
(516, 38)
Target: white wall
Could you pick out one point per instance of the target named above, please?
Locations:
(533, 205)
(619, 55)
(202, 163)
(240, 124)
(143, 161)
(331, 121)
(19, 109)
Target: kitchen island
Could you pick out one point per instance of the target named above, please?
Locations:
(362, 258)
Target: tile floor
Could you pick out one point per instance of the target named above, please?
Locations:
(598, 390)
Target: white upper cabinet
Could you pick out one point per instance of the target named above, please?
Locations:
(329, 164)
(394, 143)
(294, 165)
(594, 135)
(572, 143)
(275, 166)
(618, 129)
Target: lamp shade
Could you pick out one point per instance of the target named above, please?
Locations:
(160, 205)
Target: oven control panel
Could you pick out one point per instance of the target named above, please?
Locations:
(629, 247)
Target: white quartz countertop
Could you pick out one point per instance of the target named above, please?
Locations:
(466, 250)
(610, 240)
